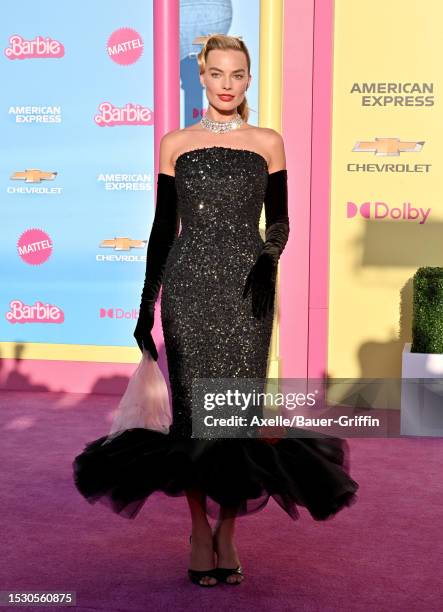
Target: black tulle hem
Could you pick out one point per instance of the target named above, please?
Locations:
(238, 476)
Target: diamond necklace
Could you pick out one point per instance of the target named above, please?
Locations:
(220, 127)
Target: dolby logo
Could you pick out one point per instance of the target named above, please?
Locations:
(118, 313)
(380, 210)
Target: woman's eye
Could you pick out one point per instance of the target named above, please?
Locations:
(239, 76)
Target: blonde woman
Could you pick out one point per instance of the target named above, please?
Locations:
(217, 307)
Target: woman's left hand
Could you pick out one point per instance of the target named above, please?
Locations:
(261, 283)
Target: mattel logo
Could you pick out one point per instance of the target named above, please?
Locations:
(381, 210)
(118, 313)
(125, 46)
(38, 313)
(34, 246)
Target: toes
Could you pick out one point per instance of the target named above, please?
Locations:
(235, 578)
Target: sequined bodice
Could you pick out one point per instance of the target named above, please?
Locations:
(209, 328)
(221, 191)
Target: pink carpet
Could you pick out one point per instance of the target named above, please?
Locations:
(384, 553)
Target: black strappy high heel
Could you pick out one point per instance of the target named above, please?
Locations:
(196, 575)
(222, 573)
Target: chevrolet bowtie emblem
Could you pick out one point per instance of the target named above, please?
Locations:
(34, 175)
(388, 146)
(123, 244)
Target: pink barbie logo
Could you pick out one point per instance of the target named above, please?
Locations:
(34, 246)
(125, 46)
(380, 210)
(118, 313)
(38, 313)
(20, 48)
(131, 114)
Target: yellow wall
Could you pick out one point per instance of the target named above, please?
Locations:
(372, 261)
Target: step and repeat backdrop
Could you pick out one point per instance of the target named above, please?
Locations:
(77, 163)
(76, 159)
(386, 212)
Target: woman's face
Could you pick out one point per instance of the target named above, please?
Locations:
(226, 73)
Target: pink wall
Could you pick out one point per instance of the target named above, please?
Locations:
(320, 189)
(307, 132)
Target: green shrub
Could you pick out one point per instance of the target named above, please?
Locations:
(427, 311)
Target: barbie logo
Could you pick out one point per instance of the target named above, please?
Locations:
(380, 210)
(131, 114)
(125, 46)
(38, 313)
(118, 313)
(20, 48)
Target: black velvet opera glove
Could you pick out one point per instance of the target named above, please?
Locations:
(263, 274)
(164, 230)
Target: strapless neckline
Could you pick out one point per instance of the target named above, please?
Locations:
(200, 149)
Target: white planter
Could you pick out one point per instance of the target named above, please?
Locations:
(421, 400)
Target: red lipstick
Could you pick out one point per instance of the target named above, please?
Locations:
(225, 97)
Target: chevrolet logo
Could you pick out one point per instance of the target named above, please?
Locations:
(34, 176)
(388, 146)
(123, 244)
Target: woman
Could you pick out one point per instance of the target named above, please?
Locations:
(217, 307)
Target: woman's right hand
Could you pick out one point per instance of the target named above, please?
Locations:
(142, 332)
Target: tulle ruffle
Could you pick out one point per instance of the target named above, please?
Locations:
(238, 476)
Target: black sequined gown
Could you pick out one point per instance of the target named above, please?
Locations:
(210, 332)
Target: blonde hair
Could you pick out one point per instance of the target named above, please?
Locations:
(223, 41)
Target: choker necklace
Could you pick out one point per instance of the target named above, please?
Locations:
(220, 127)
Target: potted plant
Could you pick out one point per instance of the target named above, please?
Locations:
(422, 359)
